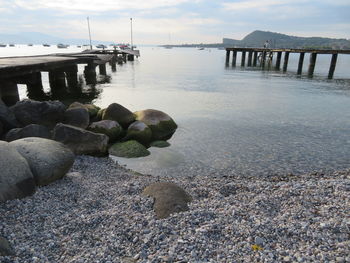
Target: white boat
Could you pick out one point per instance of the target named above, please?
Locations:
(2, 45)
(62, 45)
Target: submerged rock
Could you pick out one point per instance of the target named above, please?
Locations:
(48, 160)
(161, 124)
(160, 144)
(168, 197)
(129, 149)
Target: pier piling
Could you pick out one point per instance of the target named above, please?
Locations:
(243, 59)
(250, 55)
(9, 92)
(300, 64)
(255, 58)
(312, 64)
(285, 62)
(278, 60)
(102, 69)
(332, 66)
(227, 57)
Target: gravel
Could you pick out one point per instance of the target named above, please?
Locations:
(97, 214)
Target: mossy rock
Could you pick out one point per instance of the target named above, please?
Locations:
(92, 109)
(161, 124)
(110, 128)
(119, 113)
(140, 132)
(129, 149)
(100, 114)
(160, 144)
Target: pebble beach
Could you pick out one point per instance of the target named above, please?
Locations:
(97, 214)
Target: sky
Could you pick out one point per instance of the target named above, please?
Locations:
(175, 21)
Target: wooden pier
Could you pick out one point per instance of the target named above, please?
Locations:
(62, 70)
(265, 57)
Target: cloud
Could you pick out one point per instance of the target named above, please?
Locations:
(259, 4)
(97, 5)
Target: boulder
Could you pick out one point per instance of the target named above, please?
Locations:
(161, 124)
(1, 129)
(47, 113)
(117, 112)
(110, 128)
(129, 149)
(100, 114)
(78, 117)
(48, 160)
(169, 198)
(16, 179)
(91, 108)
(5, 248)
(32, 130)
(81, 141)
(7, 118)
(140, 132)
(160, 144)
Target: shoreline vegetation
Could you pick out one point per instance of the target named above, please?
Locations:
(97, 213)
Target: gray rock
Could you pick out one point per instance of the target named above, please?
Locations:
(5, 248)
(161, 124)
(7, 117)
(108, 127)
(140, 132)
(48, 160)
(117, 112)
(81, 141)
(129, 149)
(32, 130)
(16, 179)
(78, 117)
(1, 129)
(46, 113)
(169, 198)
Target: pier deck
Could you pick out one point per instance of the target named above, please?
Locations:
(264, 56)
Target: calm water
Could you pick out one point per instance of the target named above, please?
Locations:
(232, 120)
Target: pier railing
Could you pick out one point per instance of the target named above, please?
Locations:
(264, 56)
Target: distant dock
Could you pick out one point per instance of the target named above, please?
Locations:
(62, 69)
(265, 57)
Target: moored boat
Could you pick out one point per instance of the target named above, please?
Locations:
(2, 45)
(46, 45)
(60, 45)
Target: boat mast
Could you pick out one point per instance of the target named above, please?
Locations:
(89, 32)
(132, 46)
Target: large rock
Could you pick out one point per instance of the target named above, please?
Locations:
(129, 149)
(161, 124)
(81, 141)
(16, 179)
(77, 116)
(117, 112)
(47, 113)
(140, 132)
(7, 118)
(1, 129)
(160, 144)
(48, 160)
(32, 130)
(169, 198)
(110, 128)
(91, 108)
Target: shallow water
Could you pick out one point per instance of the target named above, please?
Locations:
(235, 120)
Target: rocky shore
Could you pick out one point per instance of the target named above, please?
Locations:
(97, 213)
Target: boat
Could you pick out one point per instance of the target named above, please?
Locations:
(2, 45)
(101, 46)
(11, 45)
(201, 48)
(79, 46)
(62, 45)
(46, 45)
(30, 45)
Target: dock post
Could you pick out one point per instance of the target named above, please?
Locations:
(72, 76)
(243, 59)
(263, 59)
(34, 85)
(227, 57)
(90, 73)
(300, 64)
(278, 60)
(9, 92)
(234, 58)
(113, 64)
(57, 80)
(312, 64)
(102, 69)
(130, 57)
(332, 66)
(285, 63)
(250, 56)
(255, 58)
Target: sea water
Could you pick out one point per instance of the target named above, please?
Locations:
(232, 120)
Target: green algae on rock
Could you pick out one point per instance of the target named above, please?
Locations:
(160, 144)
(108, 127)
(129, 149)
(140, 132)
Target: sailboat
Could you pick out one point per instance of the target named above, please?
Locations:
(169, 46)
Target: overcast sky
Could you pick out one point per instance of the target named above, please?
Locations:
(175, 21)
